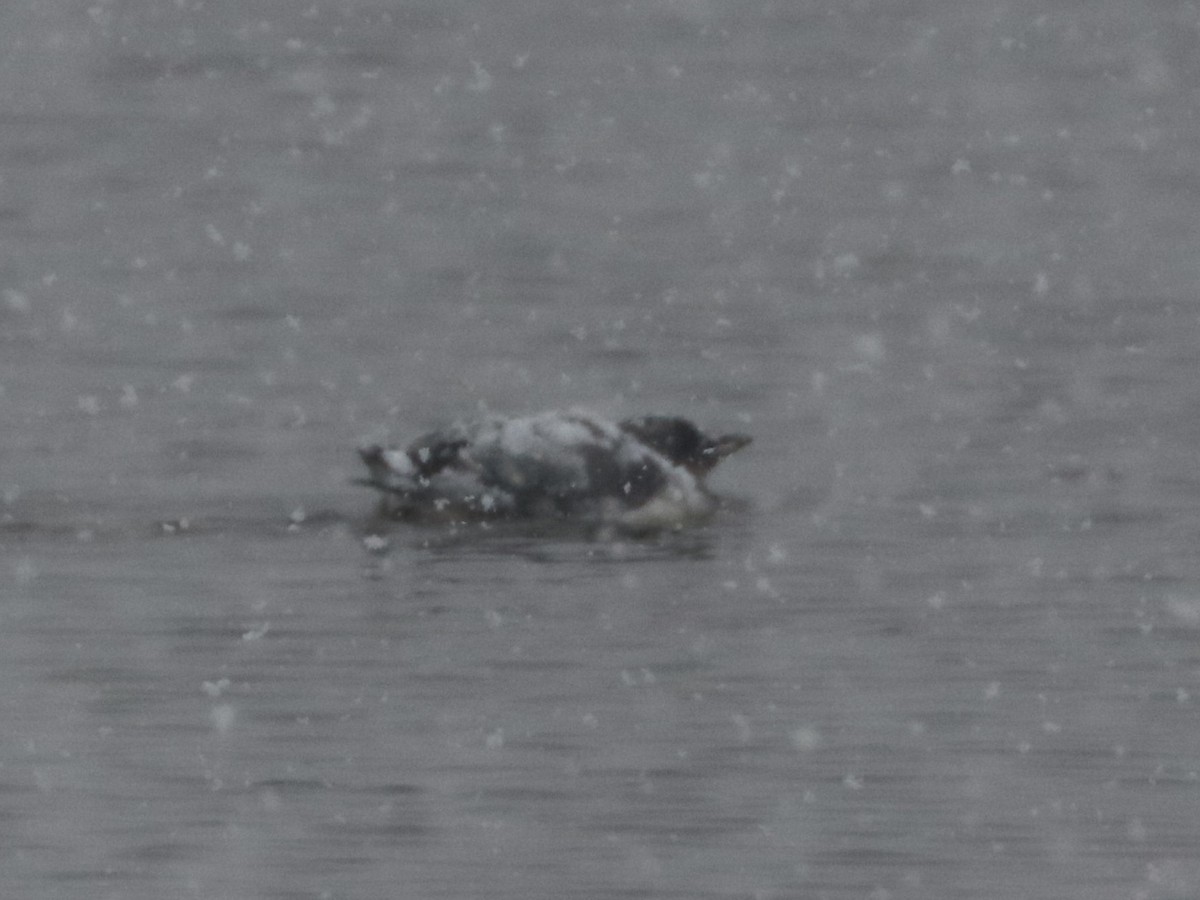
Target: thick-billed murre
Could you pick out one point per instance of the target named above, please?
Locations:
(639, 473)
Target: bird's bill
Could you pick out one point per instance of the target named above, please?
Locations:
(728, 444)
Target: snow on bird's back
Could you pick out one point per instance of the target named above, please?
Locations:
(546, 435)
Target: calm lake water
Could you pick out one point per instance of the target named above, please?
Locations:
(939, 258)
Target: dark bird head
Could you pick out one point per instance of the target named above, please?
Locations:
(683, 443)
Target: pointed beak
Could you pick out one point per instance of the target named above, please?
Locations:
(715, 450)
(727, 444)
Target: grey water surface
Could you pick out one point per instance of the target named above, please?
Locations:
(939, 258)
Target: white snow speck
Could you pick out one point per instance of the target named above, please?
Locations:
(870, 349)
(25, 570)
(481, 80)
(1136, 831)
(257, 633)
(1184, 610)
(399, 462)
(16, 301)
(744, 731)
(846, 263)
(222, 716)
(805, 738)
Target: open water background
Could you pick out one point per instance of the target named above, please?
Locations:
(940, 258)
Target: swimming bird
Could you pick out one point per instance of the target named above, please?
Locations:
(643, 473)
